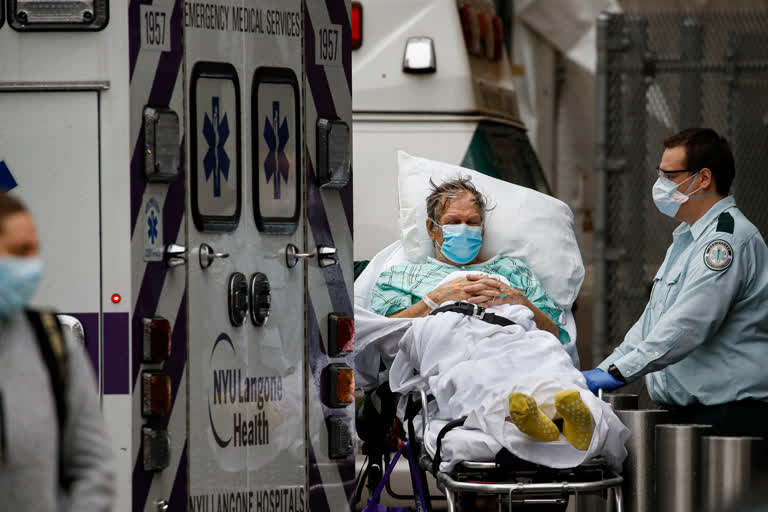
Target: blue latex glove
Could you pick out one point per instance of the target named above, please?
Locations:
(600, 379)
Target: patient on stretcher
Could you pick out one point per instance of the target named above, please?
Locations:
(455, 214)
(524, 412)
(510, 377)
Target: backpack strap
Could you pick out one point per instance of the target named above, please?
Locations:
(50, 341)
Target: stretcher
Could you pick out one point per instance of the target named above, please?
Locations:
(508, 480)
(468, 463)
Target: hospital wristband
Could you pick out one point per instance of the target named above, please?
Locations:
(429, 302)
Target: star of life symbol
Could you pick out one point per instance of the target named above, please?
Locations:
(216, 132)
(276, 165)
(718, 255)
(152, 225)
(153, 230)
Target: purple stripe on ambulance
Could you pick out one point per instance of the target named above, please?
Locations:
(318, 82)
(321, 232)
(178, 499)
(321, 92)
(138, 181)
(317, 354)
(134, 36)
(318, 502)
(174, 366)
(116, 373)
(167, 73)
(346, 202)
(337, 11)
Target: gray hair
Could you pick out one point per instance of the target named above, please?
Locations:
(441, 195)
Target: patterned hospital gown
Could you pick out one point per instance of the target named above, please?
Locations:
(401, 286)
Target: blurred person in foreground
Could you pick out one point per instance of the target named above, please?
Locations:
(702, 341)
(54, 451)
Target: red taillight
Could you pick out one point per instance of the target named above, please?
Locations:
(341, 334)
(357, 25)
(156, 339)
(116, 298)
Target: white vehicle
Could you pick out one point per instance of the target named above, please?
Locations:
(432, 78)
(188, 165)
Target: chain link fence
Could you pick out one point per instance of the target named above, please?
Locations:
(659, 74)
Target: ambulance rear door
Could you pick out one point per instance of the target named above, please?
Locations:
(246, 274)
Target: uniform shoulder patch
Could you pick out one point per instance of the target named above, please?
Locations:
(718, 255)
(725, 223)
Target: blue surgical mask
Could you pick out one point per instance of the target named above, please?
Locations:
(19, 278)
(668, 199)
(461, 242)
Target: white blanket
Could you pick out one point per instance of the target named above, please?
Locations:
(471, 367)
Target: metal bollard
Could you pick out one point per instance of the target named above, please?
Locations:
(621, 401)
(639, 466)
(729, 466)
(678, 467)
(596, 503)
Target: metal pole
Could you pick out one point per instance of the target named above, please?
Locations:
(639, 466)
(596, 503)
(599, 318)
(729, 465)
(627, 268)
(678, 467)
(692, 46)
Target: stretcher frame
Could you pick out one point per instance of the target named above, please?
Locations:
(556, 492)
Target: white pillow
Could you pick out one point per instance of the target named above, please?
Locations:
(525, 224)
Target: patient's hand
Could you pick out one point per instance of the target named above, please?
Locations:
(489, 292)
(485, 291)
(455, 290)
(462, 288)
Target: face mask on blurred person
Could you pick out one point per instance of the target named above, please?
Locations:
(461, 242)
(19, 278)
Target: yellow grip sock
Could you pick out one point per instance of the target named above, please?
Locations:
(578, 424)
(527, 416)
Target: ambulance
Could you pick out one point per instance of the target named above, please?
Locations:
(189, 166)
(432, 78)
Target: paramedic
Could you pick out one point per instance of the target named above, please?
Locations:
(30, 441)
(702, 341)
(455, 214)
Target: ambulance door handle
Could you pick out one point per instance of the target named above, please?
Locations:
(292, 255)
(208, 255)
(175, 255)
(326, 256)
(161, 505)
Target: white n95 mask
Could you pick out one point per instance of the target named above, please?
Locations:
(667, 198)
